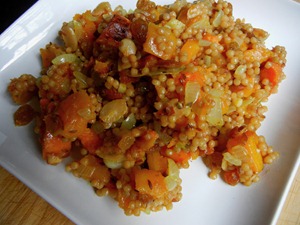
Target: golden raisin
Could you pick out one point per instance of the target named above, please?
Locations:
(24, 115)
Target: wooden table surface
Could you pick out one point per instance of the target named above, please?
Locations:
(21, 206)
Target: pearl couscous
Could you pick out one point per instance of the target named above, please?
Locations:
(133, 96)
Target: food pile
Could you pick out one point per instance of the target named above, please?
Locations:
(133, 96)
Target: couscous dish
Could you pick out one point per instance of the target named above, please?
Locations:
(133, 96)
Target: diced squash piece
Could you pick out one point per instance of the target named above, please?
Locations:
(54, 146)
(75, 112)
(150, 182)
(252, 142)
(190, 50)
(155, 38)
(187, 76)
(102, 67)
(148, 140)
(157, 162)
(248, 142)
(210, 38)
(49, 53)
(90, 140)
(273, 74)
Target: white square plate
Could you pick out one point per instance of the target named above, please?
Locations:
(204, 201)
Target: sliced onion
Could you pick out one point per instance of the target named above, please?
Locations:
(114, 162)
(224, 165)
(170, 183)
(247, 102)
(127, 47)
(81, 79)
(129, 122)
(86, 113)
(240, 153)
(175, 24)
(69, 36)
(78, 29)
(240, 71)
(172, 180)
(193, 11)
(239, 40)
(218, 19)
(202, 24)
(207, 60)
(215, 114)
(204, 43)
(85, 171)
(162, 135)
(192, 92)
(231, 159)
(126, 142)
(65, 58)
(113, 111)
(173, 169)
(102, 8)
